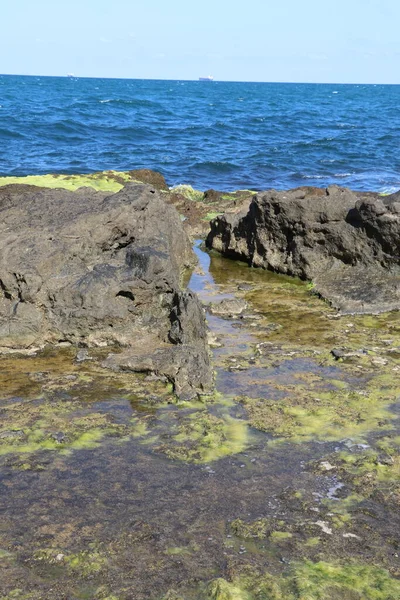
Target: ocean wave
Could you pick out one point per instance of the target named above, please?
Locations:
(281, 135)
(8, 133)
(130, 102)
(218, 166)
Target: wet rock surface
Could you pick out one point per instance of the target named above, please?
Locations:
(93, 269)
(348, 245)
(228, 307)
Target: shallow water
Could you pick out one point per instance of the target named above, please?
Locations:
(159, 493)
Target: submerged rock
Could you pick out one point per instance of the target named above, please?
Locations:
(229, 307)
(94, 269)
(347, 245)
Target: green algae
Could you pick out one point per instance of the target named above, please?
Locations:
(37, 442)
(305, 320)
(179, 550)
(212, 215)
(57, 426)
(188, 192)
(17, 594)
(374, 469)
(257, 529)
(203, 438)
(341, 509)
(106, 181)
(370, 463)
(172, 595)
(279, 536)
(320, 581)
(228, 197)
(219, 589)
(311, 581)
(59, 413)
(87, 562)
(306, 415)
(311, 542)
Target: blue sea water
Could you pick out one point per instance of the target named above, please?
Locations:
(220, 135)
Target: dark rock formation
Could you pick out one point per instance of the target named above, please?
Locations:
(348, 245)
(92, 269)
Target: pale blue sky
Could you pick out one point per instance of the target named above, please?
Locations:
(341, 41)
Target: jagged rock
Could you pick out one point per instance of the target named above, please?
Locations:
(349, 246)
(94, 269)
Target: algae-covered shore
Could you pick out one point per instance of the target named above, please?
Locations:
(283, 483)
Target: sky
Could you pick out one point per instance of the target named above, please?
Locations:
(338, 41)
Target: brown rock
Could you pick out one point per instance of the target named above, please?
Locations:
(153, 178)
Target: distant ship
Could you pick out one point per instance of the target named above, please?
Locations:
(208, 78)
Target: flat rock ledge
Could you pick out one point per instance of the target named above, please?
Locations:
(347, 244)
(91, 269)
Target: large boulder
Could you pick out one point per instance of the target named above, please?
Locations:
(92, 269)
(348, 245)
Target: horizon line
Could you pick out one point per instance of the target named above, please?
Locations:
(73, 76)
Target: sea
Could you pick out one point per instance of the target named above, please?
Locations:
(221, 135)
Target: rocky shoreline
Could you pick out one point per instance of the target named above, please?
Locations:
(117, 485)
(85, 267)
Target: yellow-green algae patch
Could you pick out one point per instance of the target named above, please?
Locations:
(319, 581)
(311, 581)
(323, 398)
(49, 404)
(179, 550)
(17, 594)
(374, 469)
(219, 589)
(188, 192)
(312, 541)
(305, 415)
(279, 536)
(256, 529)
(86, 563)
(203, 437)
(52, 427)
(105, 181)
(369, 463)
(211, 215)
